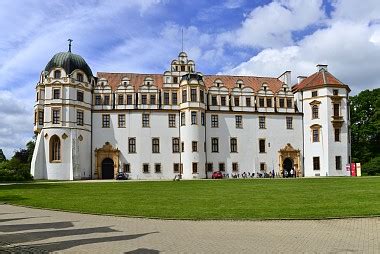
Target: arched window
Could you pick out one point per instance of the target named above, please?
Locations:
(315, 111)
(57, 74)
(55, 149)
(80, 77)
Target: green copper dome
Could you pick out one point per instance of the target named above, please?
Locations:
(69, 62)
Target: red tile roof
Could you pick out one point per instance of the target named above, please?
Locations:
(318, 79)
(136, 79)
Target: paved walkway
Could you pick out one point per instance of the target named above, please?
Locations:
(26, 230)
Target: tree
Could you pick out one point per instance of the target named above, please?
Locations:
(2, 156)
(365, 127)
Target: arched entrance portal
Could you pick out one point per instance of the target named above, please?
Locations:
(287, 166)
(107, 169)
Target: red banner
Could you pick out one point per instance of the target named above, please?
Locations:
(353, 169)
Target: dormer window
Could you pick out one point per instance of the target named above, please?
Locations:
(239, 85)
(148, 83)
(265, 88)
(80, 77)
(57, 74)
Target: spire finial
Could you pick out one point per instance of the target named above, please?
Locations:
(70, 40)
(182, 39)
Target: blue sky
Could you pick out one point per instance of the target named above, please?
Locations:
(247, 37)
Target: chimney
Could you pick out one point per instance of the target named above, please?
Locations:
(300, 79)
(322, 67)
(286, 78)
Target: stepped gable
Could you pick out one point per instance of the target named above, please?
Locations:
(136, 79)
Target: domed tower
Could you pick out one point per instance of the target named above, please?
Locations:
(63, 119)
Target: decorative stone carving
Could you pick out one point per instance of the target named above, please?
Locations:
(80, 138)
(107, 151)
(64, 136)
(294, 155)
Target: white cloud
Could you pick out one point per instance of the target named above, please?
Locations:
(272, 25)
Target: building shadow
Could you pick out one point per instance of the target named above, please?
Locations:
(142, 251)
(21, 218)
(11, 198)
(23, 227)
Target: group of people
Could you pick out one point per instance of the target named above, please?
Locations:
(290, 173)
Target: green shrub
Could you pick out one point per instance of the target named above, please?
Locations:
(14, 170)
(372, 167)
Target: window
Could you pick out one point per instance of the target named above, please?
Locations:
(145, 120)
(80, 77)
(262, 166)
(221, 167)
(132, 145)
(106, 120)
(40, 117)
(183, 119)
(152, 99)
(174, 99)
(214, 121)
(269, 103)
(79, 96)
(171, 120)
(57, 74)
(127, 168)
(233, 144)
(261, 102)
(223, 100)
(282, 102)
(261, 145)
(214, 101)
(335, 91)
(235, 166)
(182, 67)
(315, 135)
(315, 112)
(106, 100)
(262, 122)
(289, 122)
(203, 119)
(195, 167)
(214, 145)
(194, 146)
(56, 93)
(97, 100)
(175, 79)
(157, 168)
(338, 162)
(239, 121)
(193, 117)
(336, 109)
(55, 149)
(175, 145)
(209, 167)
(56, 116)
(121, 120)
(80, 118)
(166, 98)
(155, 145)
(337, 134)
(183, 146)
(145, 168)
(144, 99)
(202, 95)
(129, 99)
(120, 99)
(314, 93)
(316, 163)
(184, 96)
(176, 167)
(193, 94)
(289, 103)
(236, 101)
(37, 96)
(248, 101)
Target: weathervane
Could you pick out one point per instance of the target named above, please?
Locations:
(70, 40)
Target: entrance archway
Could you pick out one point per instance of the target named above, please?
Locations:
(287, 166)
(107, 151)
(107, 169)
(294, 162)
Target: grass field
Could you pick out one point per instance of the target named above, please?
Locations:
(302, 198)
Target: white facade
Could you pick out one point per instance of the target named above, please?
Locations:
(182, 122)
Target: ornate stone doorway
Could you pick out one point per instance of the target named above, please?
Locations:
(101, 156)
(288, 157)
(107, 169)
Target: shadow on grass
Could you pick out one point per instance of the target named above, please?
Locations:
(34, 186)
(11, 198)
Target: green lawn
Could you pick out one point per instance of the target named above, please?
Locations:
(217, 199)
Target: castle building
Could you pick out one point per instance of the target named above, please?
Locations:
(181, 122)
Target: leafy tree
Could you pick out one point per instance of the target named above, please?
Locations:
(365, 127)
(2, 156)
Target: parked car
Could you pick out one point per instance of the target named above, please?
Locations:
(217, 175)
(122, 176)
